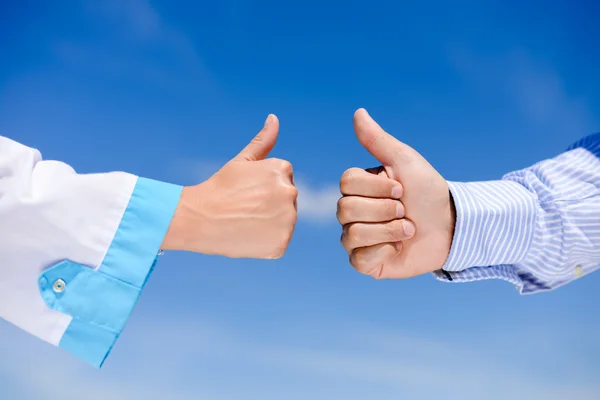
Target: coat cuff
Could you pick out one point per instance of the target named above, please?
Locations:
(101, 300)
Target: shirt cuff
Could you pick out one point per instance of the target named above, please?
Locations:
(524, 282)
(101, 300)
(495, 224)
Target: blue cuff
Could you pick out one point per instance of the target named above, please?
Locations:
(101, 301)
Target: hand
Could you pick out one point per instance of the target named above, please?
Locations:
(425, 199)
(371, 214)
(245, 210)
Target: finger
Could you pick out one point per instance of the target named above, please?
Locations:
(358, 182)
(262, 144)
(378, 142)
(360, 234)
(371, 260)
(383, 146)
(364, 209)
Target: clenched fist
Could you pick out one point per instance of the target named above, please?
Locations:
(245, 210)
(398, 221)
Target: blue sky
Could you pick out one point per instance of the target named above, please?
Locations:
(172, 89)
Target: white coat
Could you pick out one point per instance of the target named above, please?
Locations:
(76, 249)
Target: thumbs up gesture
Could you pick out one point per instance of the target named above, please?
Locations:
(245, 210)
(398, 220)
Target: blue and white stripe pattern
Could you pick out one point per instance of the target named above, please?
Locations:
(538, 228)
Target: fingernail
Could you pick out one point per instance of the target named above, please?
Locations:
(409, 228)
(399, 210)
(397, 192)
(268, 121)
(398, 246)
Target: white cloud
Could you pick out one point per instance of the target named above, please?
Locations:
(317, 204)
(182, 359)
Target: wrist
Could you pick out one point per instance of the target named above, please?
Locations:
(181, 235)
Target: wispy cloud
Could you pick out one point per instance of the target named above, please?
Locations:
(137, 16)
(177, 358)
(532, 87)
(135, 43)
(317, 204)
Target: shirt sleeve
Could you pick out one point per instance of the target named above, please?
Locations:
(76, 249)
(537, 228)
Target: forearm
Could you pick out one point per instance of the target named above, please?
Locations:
(76, 250)
(538, 228)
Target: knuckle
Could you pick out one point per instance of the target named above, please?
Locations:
(339, 216)
(353, 235)
(347, 177)
(292, 191)
(359, 262)
(344, 186)
(339, 208)
(285, 166)
(357, 259)
(343, 210)
(351, 173)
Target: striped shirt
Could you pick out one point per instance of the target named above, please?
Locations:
(537, 228)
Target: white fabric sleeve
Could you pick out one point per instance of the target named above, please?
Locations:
(75, 249)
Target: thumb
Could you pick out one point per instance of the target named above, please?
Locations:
(383, 146)
(263, 143)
